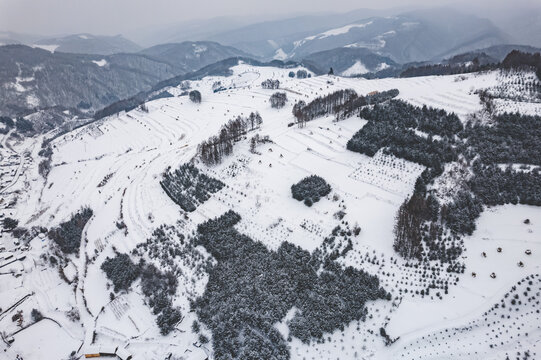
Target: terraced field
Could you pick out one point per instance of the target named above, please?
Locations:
(115, 166)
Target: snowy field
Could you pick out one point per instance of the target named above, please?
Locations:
(114, 166)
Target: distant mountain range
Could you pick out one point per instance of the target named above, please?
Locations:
(36, 78)
(348, 61)
(75, 44)
(492, 58)
(87, 73)
(404, 36)
(416, 36)
(522, 24)
(274, 39)
(33, 78)
(89, 44)
(260, 38)
(11, 38)
(189, 55)
(490, 55)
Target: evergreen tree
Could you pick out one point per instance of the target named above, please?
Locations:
(195, 96)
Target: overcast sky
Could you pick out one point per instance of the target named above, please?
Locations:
(48, 17)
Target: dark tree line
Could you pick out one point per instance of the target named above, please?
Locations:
(460, 215)
(354, 106)
(427, 119)
(213, 150)
(278, 100)
(494, 186)
(188, 187)
(408, 228)
(170, 248)
(520, 60)
(341, 103)
(516, 60)
(419, 227)
(68, 234)
(323, 105)
(310, 189)
(447, 69)
(391, 127)
(419, 233)
(121, 105)
(251, 288)
(402, 143)
(161, 95)
(511, 138)
(270, 84)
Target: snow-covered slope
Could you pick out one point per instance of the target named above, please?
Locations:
(115, 165)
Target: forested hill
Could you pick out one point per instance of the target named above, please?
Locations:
(474, 62)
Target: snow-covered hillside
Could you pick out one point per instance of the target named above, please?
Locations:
(115, 165)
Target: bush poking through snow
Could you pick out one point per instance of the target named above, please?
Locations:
(302, 74)
(278, 100)
(270, 84)
(36, 315)
(121, 271)
(195, 96)
(310, 189)
(10, 223)
(44, 167)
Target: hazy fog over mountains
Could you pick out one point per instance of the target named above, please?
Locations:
(172, 21)
(88, 56)
(278, 180)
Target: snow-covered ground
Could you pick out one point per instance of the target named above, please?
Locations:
(50, 48)
(100, 63)
(127, 153)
